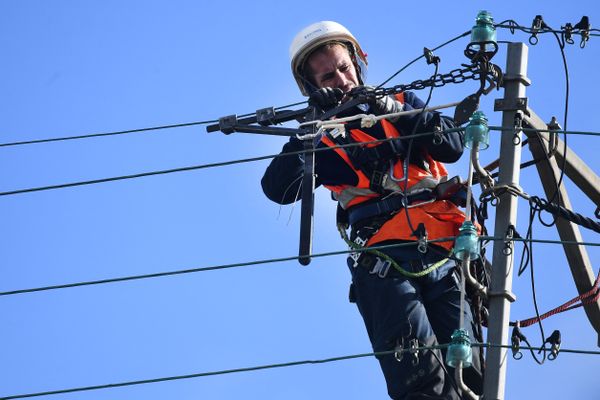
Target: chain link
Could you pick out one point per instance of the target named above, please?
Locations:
(458, 75)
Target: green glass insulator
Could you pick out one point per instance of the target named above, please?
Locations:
(477, 131)
(484, 30)
(459, 351)
(467, 242)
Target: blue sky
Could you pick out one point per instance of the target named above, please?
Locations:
(78, 67)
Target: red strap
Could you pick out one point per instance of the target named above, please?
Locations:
(589, 297)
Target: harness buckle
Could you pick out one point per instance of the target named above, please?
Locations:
(377, 182)
(381, 268)
(356, 254)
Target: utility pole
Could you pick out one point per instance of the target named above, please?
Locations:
(500, 294)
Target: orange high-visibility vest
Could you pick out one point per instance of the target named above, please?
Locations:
(441, 218)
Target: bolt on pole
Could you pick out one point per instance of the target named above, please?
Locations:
(515, 81)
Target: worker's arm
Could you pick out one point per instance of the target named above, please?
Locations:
(283, 177)
(450, 147)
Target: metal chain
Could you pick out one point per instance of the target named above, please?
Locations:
(458, 75)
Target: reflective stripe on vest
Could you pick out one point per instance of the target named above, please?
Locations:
(418, 178)
(441, 218)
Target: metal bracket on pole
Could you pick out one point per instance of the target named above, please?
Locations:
(516, 104)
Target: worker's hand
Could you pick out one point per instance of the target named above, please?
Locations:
(326, 98)
(379, 105)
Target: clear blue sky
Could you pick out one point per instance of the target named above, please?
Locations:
(77, 67)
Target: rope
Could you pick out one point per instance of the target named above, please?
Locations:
(369, 120)
(589, 297)
(393, 262)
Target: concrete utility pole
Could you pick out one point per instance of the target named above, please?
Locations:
(500, 295)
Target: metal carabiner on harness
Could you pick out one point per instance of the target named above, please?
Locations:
(421, 234)
(392, 177)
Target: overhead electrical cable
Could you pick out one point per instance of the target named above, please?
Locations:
(153, 128)
(273, 366)
(421, 56)
(190, 168)
(271, 260)
(232, 162)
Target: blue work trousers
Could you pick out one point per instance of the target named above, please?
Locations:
(396, 310)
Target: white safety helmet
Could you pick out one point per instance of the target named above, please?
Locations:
(315, 35)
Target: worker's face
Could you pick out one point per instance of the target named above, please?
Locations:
(333, 67)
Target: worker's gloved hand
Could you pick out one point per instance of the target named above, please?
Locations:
(326, 98)
(379, 105)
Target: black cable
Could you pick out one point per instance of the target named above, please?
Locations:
(198, 375)
(193, 167)
(422, 55)
(271, 260)
(535, 304)
(561, 46)
(406, 163)
(528, 249)
(211, 268)
(154, 128)
(512, 25)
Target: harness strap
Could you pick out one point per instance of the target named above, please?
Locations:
(386, 206)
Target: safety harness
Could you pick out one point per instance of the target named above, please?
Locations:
(377, 163)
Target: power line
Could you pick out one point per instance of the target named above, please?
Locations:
(421, 56)
(528, 29)
(268, 261)
(271, 366)
(252, 159)
(92, 135)
(505, 346)
(197, 375)
(153, 128)
(204, 269)
(196, 167)
(584, 133)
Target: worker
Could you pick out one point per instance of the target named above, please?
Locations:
(388, 197)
